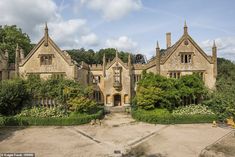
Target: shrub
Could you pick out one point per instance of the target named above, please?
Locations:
(222, 100)
(158, 91)
(160, 116)
(13, 95)
(82, 104)
(192, 110)
(221, 105)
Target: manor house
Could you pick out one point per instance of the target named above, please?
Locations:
(114, 82)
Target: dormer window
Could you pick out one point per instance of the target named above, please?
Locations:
(46, 59)
(186, 58)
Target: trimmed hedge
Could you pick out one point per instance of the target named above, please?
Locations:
(60, 121)
(168, 118)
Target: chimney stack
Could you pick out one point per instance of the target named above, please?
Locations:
(168, 40)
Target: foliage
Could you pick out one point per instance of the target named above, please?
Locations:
(13, 95)
(222, 100)
(43, 112)
(92, 57)
(158, 91)
(147, 97)
(192, 110)
(10, 36)
(60, 89)
(59, 121)
(65, 91)
(221, 104)
(162, 116)
(81, 104)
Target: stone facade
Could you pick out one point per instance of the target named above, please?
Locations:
(46, 60)
(114, 82)
(7, 71)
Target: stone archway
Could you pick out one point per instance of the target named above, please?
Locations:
(117, 100)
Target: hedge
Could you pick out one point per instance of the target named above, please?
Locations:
(60, 121)
(151, 117)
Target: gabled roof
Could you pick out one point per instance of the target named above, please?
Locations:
(69, 61)
(168, 52)
(116, 59)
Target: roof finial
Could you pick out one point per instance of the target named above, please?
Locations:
(46, 35)
(214, 45)
(158, 45)
(185, 27)
(116, 53)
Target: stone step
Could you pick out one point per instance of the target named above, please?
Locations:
(116, 109)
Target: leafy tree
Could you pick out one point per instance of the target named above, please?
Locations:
(10, 36)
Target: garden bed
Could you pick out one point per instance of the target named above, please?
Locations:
(50, 121)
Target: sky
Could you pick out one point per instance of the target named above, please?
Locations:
(128, 25)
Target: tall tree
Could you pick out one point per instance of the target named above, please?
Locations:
(9, 37)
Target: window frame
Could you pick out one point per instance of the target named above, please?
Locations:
(46, 59)
(186, 57)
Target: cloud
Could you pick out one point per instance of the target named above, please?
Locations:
(32, 15)
(225, 46)
(90, 39)
(113, 9)
(122, 43)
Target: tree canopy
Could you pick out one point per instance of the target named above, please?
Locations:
(9, 37)
(92, 57)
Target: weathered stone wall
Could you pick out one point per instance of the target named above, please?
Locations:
(199, 63)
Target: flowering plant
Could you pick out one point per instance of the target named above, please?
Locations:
(192, 110)
(42, 112)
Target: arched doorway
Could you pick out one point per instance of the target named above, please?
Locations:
(117, 100)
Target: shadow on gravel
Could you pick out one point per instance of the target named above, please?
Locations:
(7, 132)
(141, 151)
(224, 147)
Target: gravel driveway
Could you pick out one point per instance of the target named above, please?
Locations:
(116, 134)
